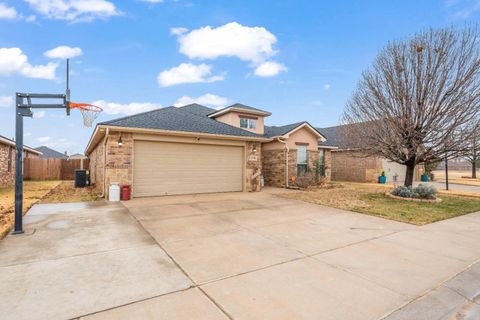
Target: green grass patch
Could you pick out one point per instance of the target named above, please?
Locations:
(419, 213)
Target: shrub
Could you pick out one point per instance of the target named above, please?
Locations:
(426, 191)
(306, 180)
(423, 191)
(404, 192)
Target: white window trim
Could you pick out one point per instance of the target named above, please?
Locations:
(251, 123)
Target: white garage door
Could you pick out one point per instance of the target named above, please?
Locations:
(164, 168)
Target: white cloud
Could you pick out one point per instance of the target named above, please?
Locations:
(6, 102)
(74, 10)
(326, 87)
(13, 61)
(54, 143)
(63, 52)
(7, 13)
(43, 139)
(152, 1)
(128, 109)
(187, 73)
(30, 18)
(254, 44)
(39, 114)
(178, 31)
(209, 100)
(269, 69)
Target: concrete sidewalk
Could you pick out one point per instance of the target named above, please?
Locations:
(236, 256)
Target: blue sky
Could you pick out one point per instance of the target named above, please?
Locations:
(300, 60)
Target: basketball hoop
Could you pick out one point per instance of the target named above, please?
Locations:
(89, 112)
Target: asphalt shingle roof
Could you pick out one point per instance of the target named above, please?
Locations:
(275, 131)
(335, 137)
(198, 109)
(48, 153)
(191, 118)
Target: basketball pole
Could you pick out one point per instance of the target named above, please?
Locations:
(23, 108)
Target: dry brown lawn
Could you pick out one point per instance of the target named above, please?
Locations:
(33, 192)
(39, 192)
(66, 192)
(371, 199)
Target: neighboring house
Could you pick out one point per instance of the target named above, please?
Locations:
(48, 153)
(195, 149)
(78, 156)
(351, 164)
(7, 159)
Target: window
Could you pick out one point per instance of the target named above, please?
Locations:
(302, 160)
(248, 123)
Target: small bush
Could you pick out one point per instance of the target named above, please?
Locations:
(306, 180)
(426, 191)
(404, 192)
(423, 191)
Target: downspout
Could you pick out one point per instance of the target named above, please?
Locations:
(105, 161)
(286, 160)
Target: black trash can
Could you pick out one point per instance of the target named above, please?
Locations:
(80, 178)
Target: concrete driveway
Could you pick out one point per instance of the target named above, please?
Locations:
(236, 256)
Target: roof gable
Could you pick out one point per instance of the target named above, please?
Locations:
(238, 107)
(280, 131)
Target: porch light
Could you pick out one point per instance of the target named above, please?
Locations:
(120, 142)
(254, 147)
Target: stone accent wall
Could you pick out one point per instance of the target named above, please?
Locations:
(97, 165)
(355, 166)
(116, 164)
(328, 164)
(119, 163)
(273, 162)
(274, 166)
(254, 164)
(7, 177)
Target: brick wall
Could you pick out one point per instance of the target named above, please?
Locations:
(254, 163)
(274, 166)
(7, 176)
(116, 164)
(97, 163)
(273, 162)
(328, 164)
(354, 166)
(119, 164)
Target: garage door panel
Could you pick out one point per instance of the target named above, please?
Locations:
(162, 168)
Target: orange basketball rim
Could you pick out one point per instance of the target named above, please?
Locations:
(89, 112)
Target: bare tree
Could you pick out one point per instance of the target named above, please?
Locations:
(473, 153)
(417, 101)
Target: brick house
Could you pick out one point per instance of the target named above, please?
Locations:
(7, 160)
(348, 163)
(195, 149)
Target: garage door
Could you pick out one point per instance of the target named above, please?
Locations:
(164, 168)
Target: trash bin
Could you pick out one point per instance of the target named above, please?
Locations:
(126, 192)
(80, 178)
(114, 192)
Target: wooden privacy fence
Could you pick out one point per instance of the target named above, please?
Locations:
(52, 169)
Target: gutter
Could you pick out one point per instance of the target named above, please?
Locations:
(286, 160)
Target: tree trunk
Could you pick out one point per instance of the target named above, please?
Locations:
(410, 173)
(474, 169)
